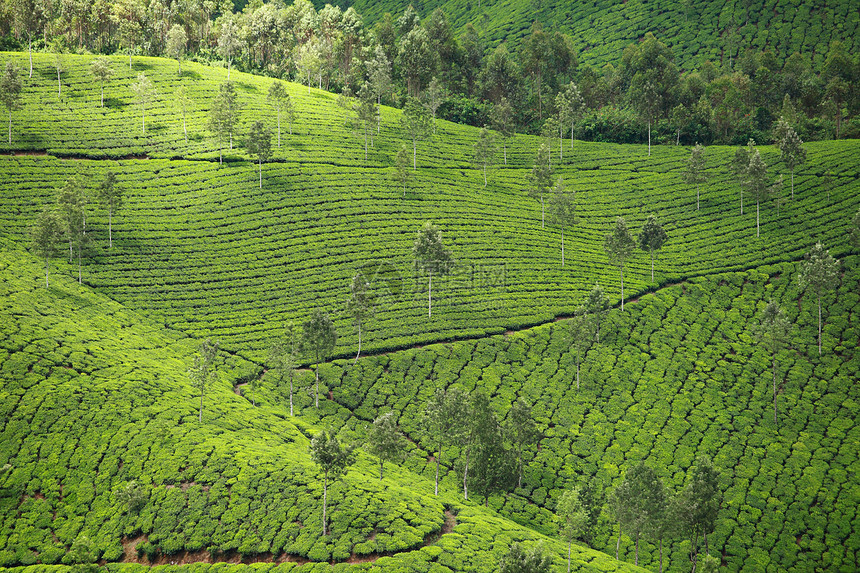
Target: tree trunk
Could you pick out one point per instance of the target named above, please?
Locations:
(291, 393)
(792, 183)
(439, 457)
(110, 227)
(200, 418)
(46, 273)
(184, 128)
(774, 401)
(636, 561)
(577, 375)
(325, 499)
(144, 120)
(279, 127)
(129, 60)
(359, 345)
(430, 292)
(622, 288)
(742, 201)
(79, 265)
(261, 173)
(649, 138)
(819, 324)
(103, 95)
(317, 387)
(228, 69)
(59, 84)
(30, 51)
(562, 246)
(414, 144)
(652, 265)
(381, 461)
(707, 551)
(465, 476)
(661, 555)
(505, 151)
(618, 543)
(485, 174)
(697, 196)
(10, 127)
(365, 141)
(569, 543)
(756, 220)
(541, 212)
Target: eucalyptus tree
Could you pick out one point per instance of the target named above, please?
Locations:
(596, 305)
(431, 256)
(539, 179)
(697, 506)
(401, 168)
(446, 419)
(279, 99)
(202, 371)
(619, 246)
(10, 92)
(432, 98)
(101, 69)
(177, 41)
(491, 466)
(385, 440)
(485, 151)
(224, 115)
(502, 120)
(854, 230)
(319, 338)
(651, 238)
(144, 94)
(757, 184)
(519, 560)
(637, 502)
(183, 102)
(367, 113)
(333, 460)
(581, 329)
(773, 332)
(284, 357)
(695, 174)
(229, 40)
(59, 65)
(562, 211)
(110, 194)
(573, 518)
(260, 144)
(417, 124)
(819, 273)
(360, 305)
(71, 206)
(522, 431)
(47, 233)
(792, 152)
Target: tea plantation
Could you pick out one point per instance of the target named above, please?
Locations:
(97, 400)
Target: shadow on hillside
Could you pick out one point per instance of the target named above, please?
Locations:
(115, 103)
(141, 66)
(246, 87)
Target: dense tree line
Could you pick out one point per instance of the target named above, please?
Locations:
(643, 98)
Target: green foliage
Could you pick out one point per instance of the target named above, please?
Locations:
(695, 172)
(318, 338)
(333, 460)
(203, 369)
(385, 440)
(651, 238)
(619, 246)
(520, 560)
(260, 144)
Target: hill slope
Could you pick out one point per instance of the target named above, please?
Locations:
(696, 32)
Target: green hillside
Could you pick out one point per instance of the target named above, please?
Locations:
(696, 32)
(96, 391)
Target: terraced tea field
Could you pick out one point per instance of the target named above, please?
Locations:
(96, 392)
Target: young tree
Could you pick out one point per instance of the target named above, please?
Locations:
(502, 120)
(284, 357)
(379, 74)
(647, 100)
(224, 115)
(637, 502)
(699, 504)
(854, 230)
(46, 234)
(492, 471)
(485, 151)
(228, 40)
(581, 328)
(176, 42)
(144, 93)
(756, 183)
(523, 433)
(574, 518)
(792, 152)
(518, 560)
(561, 210)
(278, 98)
(431, 256)
(819, 273)
(739, 166)
(360, 305)
(539, 180)
(101, 70)
(571, 104)
(446, 419)
(596, 306)
(320, 337)
(385, 440)
(433, 97)
(30, 17)
(773, 332)
(132, 496)
(60, 65)
(619, 246)
(183, 102)
(827, 183)
(695, 172)
(416, 123)
(203, 369)
(10, 92)
(651, 238)
(110, 195)
(71, 205)
(401, 168)
(366, 113)
(333, 460)
(260, 144)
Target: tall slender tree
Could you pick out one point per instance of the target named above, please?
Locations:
(431, 257)
(46, 235)
(539, 179)
(651, 239)
(260, 144)
(229, 40)
(359, 305)
(581, 329)
(596, 306)
(319, 338)
(619, 246)
(110, 195)
(522, 431)
(202, 372)
(819, 273)
(485, 151)
(757, 184)
(101, 69)
(10, 92)
(177, 41)
(401, 168)
(562, 211)
(773, 332)
(385, 440)
(573, 518)
(446, 419)
(502, 120)
(699, 503)
(144, 93)
(417, 125)
(284, 357)
(277, 98)
(333, 460)
(695, 172)
(183, 102)
(792, 152)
